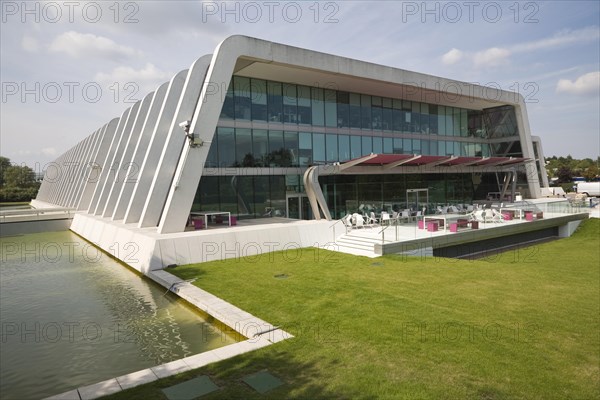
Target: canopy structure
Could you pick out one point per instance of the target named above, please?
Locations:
(402, 164)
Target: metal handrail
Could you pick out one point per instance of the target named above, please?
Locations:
(333, 226)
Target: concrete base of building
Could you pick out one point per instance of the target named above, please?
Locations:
(146, 250)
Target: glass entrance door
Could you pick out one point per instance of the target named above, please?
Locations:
(298, 207)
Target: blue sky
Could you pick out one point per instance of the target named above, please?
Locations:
(69, 67)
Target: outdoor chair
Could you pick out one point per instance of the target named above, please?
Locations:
(347, 221)
(385, 218)
(360, 221)
(371, 219)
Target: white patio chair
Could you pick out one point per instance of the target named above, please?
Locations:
(372, 220)
(360, 221)
(385, 218)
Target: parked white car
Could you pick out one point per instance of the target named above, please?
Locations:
(589, 188)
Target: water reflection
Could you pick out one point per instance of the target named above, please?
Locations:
(69, 320)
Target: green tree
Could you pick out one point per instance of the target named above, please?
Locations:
(4, 164)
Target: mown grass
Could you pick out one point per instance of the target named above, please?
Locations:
(520, 325)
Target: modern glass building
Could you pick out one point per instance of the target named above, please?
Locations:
(240, 130)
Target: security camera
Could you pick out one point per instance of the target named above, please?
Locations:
(184, 124)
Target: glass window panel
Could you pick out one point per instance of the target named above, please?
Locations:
(441, 117)
(406, 105)
(243, 147)
(226, 147)
(365, 111)
(344, 147)
(227, 112)
(331, 142)
(376, 118)
(407, 146)
(275, 100)
(416, 146)
(331, 118)
(449, 124)
(318, 107)
(262, 196)
(277, 195)
(290, 101)
(305, 149)
(398, 120)
(355, 147)
(276, 149)
(291, 148)
(260, 146)
(387, 121)
(367, 145)
(457, 148)
(228, 186)
(387, 102)
(259, 99)
(441, 150)
(212, 159)
(388, 145)
(242, 97)
(485, 150)
(304, 110)
(449, 148)
(378, 145)
(208, 194)
(398, 148)
(425, 148)
(415, 124)
(354, 111)
(464, 122)
(318, 147)
(456, 120)
(245, 196)
(397, 104)
(376, 101)
(343, 99)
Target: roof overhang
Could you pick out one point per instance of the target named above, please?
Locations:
(414, 163)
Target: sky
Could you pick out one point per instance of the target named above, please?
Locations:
(67, 68)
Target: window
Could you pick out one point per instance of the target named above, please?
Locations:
(365, 111)
(242, 94)
(378, 145)
(276, 149)
(343, 99)
(260, 146)
(318, 107)
(275, 103)
(376, 113)
(398, 146)
(318, 147)
(290, 101)
(304, 108)
(344, 147)
(227, 112)
(354, 110)
(387, 114)
(355, 147)
(259, 99)
(212, 159)
(388, 145)
(226, 147)
(291, 149)
(331, 142)
(367, 145)
(305, 149)
(407, 146)
(243, 148)
(331, 118)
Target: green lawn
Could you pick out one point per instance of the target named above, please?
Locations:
(521, 325)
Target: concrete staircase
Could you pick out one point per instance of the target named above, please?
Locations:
(357, 245)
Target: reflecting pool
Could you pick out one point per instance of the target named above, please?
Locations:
(72, 315)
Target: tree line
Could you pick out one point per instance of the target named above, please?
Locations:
(567, 168)
(17, 182)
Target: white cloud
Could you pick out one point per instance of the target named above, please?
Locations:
(491, 57)
(452, 57)
(561, 38)
(587, 84)
(49, 151)
(30, 44)
(81, 45)
(146, 79)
